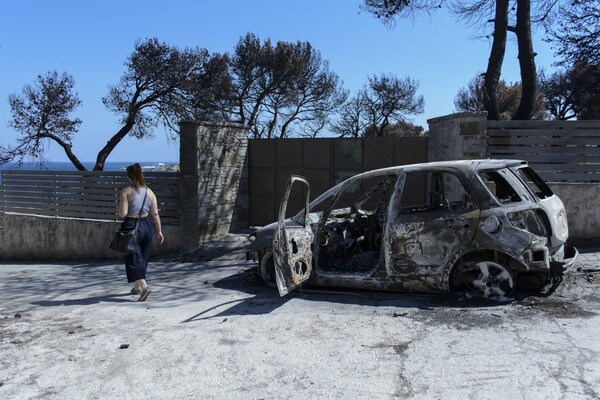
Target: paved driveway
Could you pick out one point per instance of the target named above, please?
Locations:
(210, 330)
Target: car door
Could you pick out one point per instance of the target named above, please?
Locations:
(435, 216)
(292, 243)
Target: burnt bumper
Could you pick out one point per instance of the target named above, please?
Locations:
(557, 268)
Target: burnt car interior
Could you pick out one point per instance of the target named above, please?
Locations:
(428, 191)
(350, 239)
(534, 221)
(351, 236)
(499, 187)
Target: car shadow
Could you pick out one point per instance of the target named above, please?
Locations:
(265, 299)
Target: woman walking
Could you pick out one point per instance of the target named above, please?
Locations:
(137, 203)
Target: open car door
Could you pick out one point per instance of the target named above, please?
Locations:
(292, 244)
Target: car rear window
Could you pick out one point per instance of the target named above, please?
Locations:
(499, 187)
(535, 182)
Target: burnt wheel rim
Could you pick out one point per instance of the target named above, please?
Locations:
(267, 267)
(493, 280)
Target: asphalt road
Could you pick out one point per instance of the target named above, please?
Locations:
(211, 330)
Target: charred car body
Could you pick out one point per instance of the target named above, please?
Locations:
(485, 226)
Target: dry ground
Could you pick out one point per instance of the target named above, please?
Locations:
(210, 330)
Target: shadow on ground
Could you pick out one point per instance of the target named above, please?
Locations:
(234, 279)
(265, 299)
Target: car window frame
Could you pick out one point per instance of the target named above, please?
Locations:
(459, 174)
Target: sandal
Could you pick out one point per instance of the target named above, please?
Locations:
(145, 293)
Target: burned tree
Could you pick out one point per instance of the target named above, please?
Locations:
(41, 113)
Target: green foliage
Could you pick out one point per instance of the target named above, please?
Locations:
(383, 101)
(155, 86)
(277, 90)
(282, 90)
(557, 91)
(471, 99)
(577, 35)
(586, 93)
(572, 93)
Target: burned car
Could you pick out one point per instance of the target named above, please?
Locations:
(481, 226)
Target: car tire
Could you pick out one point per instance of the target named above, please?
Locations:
(488, 279)
(266, 266)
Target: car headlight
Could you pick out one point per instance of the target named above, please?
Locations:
(561, 218)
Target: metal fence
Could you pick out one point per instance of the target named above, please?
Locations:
(81, 194)
(323, 161)
(560, 151)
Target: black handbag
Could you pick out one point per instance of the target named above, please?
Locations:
(126, 242)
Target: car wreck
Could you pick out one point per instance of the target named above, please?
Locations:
(480, 226)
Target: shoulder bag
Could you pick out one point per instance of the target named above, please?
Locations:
(126, 242)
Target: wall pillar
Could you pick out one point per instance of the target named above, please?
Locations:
(214, 189)
(460, 136)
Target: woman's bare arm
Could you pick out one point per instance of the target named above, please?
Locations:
(123, 207)
(156, 217)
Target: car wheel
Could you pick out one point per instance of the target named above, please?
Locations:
(266, 266)
(489, 279)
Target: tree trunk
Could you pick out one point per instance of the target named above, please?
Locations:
(113, 142)
(526, 62)
(74, 159)
(68, 150)
(494, 68)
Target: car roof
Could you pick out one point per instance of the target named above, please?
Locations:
(463, 165)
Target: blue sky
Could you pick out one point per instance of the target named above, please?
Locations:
(91, 39)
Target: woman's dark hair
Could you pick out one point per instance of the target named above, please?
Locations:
(135, 175)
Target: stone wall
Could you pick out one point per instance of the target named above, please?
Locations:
(214, 181)
(457, 136)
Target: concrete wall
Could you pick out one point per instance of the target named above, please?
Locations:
(583, 208)
(28, 237)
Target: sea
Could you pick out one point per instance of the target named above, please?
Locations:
(68, 166)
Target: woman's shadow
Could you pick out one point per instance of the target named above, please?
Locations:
(109, 298)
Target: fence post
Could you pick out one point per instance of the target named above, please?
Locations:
(458, 136)
(212, 164)
(2, 201)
